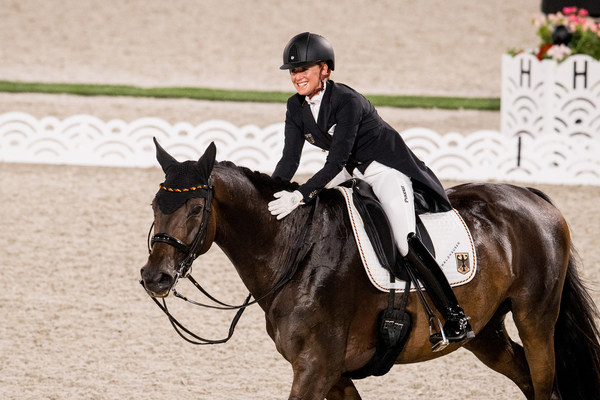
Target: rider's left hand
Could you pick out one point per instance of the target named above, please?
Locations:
(286, 203)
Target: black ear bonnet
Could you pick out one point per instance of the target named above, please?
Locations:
(185, 180)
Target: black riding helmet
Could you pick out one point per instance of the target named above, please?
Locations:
(306, 49)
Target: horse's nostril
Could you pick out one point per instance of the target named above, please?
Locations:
(165, 279)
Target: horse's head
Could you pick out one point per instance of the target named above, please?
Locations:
(182, 220)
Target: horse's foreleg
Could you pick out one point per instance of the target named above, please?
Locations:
(344, 389)
(317, 380)
(317, 360)
(313, 379)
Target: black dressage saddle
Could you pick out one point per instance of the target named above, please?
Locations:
(378, 228)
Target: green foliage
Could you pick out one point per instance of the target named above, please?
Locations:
(545, 34)
(586, 43)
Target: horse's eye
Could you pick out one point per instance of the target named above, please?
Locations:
(197, 210)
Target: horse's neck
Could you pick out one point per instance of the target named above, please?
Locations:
(251, 238)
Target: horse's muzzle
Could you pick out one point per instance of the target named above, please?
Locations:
(157, 284)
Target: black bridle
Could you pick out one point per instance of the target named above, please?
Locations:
(192, 252)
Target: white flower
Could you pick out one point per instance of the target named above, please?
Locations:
(559, 52)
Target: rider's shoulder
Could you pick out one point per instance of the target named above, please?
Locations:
(343, 94)
(295, 100)
(341, 88)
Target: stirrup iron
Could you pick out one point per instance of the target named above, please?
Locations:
(441, 344)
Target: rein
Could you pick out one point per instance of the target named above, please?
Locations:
(299, 251)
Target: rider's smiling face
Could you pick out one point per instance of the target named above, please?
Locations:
(307, 79)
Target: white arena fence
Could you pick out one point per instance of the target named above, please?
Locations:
(480, 156)
(547, 97)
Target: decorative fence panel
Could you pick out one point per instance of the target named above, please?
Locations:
(548, 98)
(482, 155)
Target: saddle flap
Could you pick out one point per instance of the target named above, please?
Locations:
(375, 221)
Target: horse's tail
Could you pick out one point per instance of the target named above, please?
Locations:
(540, 194)
(576, 335)
(577, 340)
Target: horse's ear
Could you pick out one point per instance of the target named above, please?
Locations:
(206, 163)
(165, 160)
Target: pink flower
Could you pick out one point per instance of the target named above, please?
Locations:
(590, 25)
(569, 10)
(583, 12)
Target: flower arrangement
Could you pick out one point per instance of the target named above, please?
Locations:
(565, 33)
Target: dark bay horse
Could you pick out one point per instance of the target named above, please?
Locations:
(323, 321)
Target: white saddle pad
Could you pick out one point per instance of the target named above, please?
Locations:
(454, 247)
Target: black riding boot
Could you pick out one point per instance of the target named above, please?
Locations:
(456, 327)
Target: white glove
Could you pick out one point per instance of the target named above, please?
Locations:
(286, 203)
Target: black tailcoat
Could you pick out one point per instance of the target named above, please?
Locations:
(360, 137)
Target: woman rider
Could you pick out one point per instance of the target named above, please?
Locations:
(336, 118)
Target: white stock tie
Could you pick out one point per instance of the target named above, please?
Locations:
(315, 103)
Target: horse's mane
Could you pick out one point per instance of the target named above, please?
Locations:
(263, 182)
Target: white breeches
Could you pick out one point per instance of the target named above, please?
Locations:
(395, 192)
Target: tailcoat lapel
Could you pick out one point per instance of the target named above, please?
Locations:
(317, 132)
(311, 130)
